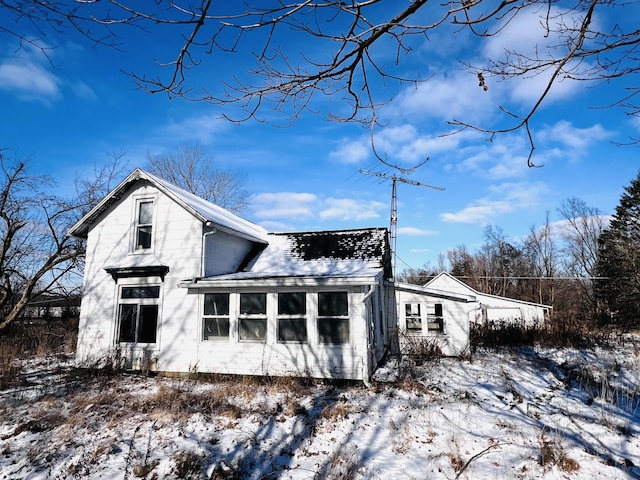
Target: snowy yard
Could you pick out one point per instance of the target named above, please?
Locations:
(525, 414)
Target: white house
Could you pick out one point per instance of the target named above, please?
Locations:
(175, 283)
(493, 308)
(443, 309)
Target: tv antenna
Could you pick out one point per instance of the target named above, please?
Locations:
(393, 223)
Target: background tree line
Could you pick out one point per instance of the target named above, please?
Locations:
(585, 265)
(38, 260)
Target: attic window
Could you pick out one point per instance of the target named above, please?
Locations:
(144, 225)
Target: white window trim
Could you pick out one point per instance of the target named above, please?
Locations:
(318, 317)
(424, 319)
(257, 316)
(134, 224)
(304, 316)
(137, 301)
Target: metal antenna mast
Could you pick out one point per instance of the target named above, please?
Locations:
(393, 224)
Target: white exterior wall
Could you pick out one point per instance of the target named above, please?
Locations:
(313, 359)
(456, 316)
(224, 253)
(511, 311)
(110, 243)
(177, 242)
(493, 308)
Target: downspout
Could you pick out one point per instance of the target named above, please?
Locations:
(366, 377)
(204, 247)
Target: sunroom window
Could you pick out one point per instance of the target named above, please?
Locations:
(333, 317)
(292, 317)
(252, 321)
(216, 316)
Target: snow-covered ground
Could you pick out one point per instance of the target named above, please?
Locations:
(526, 414)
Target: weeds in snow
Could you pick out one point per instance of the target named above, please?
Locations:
(552, 454)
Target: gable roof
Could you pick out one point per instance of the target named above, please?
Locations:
(203, 210)
(464, 286)
(314, 256)
(432, 292)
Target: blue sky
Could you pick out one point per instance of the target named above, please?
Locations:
(69, 111)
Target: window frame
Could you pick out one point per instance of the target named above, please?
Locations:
(138, 225)
(341, 317)
(261, 317)
(436, 318)
(139, 303)
(415, 317)
(216, 316)
(298, 317)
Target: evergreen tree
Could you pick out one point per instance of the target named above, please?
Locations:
(619, 260)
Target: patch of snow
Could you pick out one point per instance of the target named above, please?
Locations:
(531, 413)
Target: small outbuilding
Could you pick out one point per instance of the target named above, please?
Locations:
(443, 310)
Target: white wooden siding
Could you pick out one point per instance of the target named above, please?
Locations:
(456, 316)
(177, 242)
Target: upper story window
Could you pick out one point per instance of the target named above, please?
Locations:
(144, 225)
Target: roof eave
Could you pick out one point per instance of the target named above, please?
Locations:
(282, 281)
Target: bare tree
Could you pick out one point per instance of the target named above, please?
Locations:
(580, 231)
(541, 249)
(336, 48)
(190, 167)
(36, 255)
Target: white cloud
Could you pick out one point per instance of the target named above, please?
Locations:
(576, 138)
(285, 205)
(271, 226)
(526, 34)
(28, 79)
(414, 232)
(446, 97)
(497, 160)
(351, 151)
(403, 145)
(202, 128)
(504, 198)
(350, 209)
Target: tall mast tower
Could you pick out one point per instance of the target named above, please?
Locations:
(393, 223)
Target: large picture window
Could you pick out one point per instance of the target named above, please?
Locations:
(216, 316)
(252, 321)
(144, 225)
(138, 314)
(292, 317)
(333, 317)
